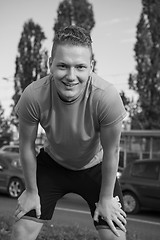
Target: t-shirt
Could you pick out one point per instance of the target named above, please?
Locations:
(72, 128)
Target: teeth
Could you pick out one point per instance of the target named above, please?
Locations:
(70, 85)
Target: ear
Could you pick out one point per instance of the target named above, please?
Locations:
(50, 62)
(92, 65)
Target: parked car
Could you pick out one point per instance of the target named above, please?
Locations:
(14, 149)
(11, 175)
(119, 172)
(140, 182)
(10, 149)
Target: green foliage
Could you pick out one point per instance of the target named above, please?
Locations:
(50, 232)
(5, 131)
(75, 12)
(31, 61)
(57, 232)
(146, 82)
(126, 101)
(64, 232)
(6, 223)
(131, 108)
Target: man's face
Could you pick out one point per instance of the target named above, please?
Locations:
(71, 67)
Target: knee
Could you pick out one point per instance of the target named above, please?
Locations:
(107, 234)
(25, 230)
(19, 232)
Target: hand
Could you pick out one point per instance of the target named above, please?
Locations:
(110, 210)
(26, 202)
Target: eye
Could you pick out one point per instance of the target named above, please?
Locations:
(81, 67)
(62, 66)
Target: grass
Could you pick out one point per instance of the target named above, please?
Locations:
(49, 232)
(59, 232)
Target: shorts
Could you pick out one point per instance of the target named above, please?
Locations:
(54, 181)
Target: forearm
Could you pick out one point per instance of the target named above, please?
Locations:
(109, 170)
(29, 164)
(108, 206)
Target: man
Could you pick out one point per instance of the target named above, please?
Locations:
(82, 116)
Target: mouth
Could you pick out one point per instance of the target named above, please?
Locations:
(70, 85)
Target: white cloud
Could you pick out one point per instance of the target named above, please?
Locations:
(131, 31)
(113, 21)
(128, 40)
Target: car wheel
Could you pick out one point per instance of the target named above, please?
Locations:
(15, 187)
(131, 203)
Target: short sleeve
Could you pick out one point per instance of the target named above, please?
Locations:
(27, 108)
(110, 108)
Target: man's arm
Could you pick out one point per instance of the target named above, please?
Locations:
(110, 139)
(27, 137)
(108, 207)
(29, 198)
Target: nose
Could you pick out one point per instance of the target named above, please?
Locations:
(71, 74)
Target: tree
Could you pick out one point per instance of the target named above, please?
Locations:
(75, 12)
(146, 80)
(131, 108)
(5, 131)
(126, 101)
(31, 61)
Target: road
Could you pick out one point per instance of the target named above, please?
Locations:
(72, 210)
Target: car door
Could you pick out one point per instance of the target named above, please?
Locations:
(153, 185)
(148, 183)
(3, 173)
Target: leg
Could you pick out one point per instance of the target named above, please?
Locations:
(50, 184)
(107, 234)
(91, 183)
(25, 229)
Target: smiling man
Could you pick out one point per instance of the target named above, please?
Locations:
(71, 67)
(82, 116)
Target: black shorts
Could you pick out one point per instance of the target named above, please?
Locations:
(54, 181)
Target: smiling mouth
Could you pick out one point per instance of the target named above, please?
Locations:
(70, 85)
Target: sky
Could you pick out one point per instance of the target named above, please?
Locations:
(113, 35)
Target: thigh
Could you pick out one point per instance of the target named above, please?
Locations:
(89, 186)
(51, 186)
(91, 191)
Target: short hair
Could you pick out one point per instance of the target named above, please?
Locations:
(72, 35)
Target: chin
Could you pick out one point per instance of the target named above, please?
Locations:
(67, 98)
(69, 95)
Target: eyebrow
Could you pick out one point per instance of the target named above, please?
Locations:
(78, 64)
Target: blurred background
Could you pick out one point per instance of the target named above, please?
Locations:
(126, 45)
(112, 24)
